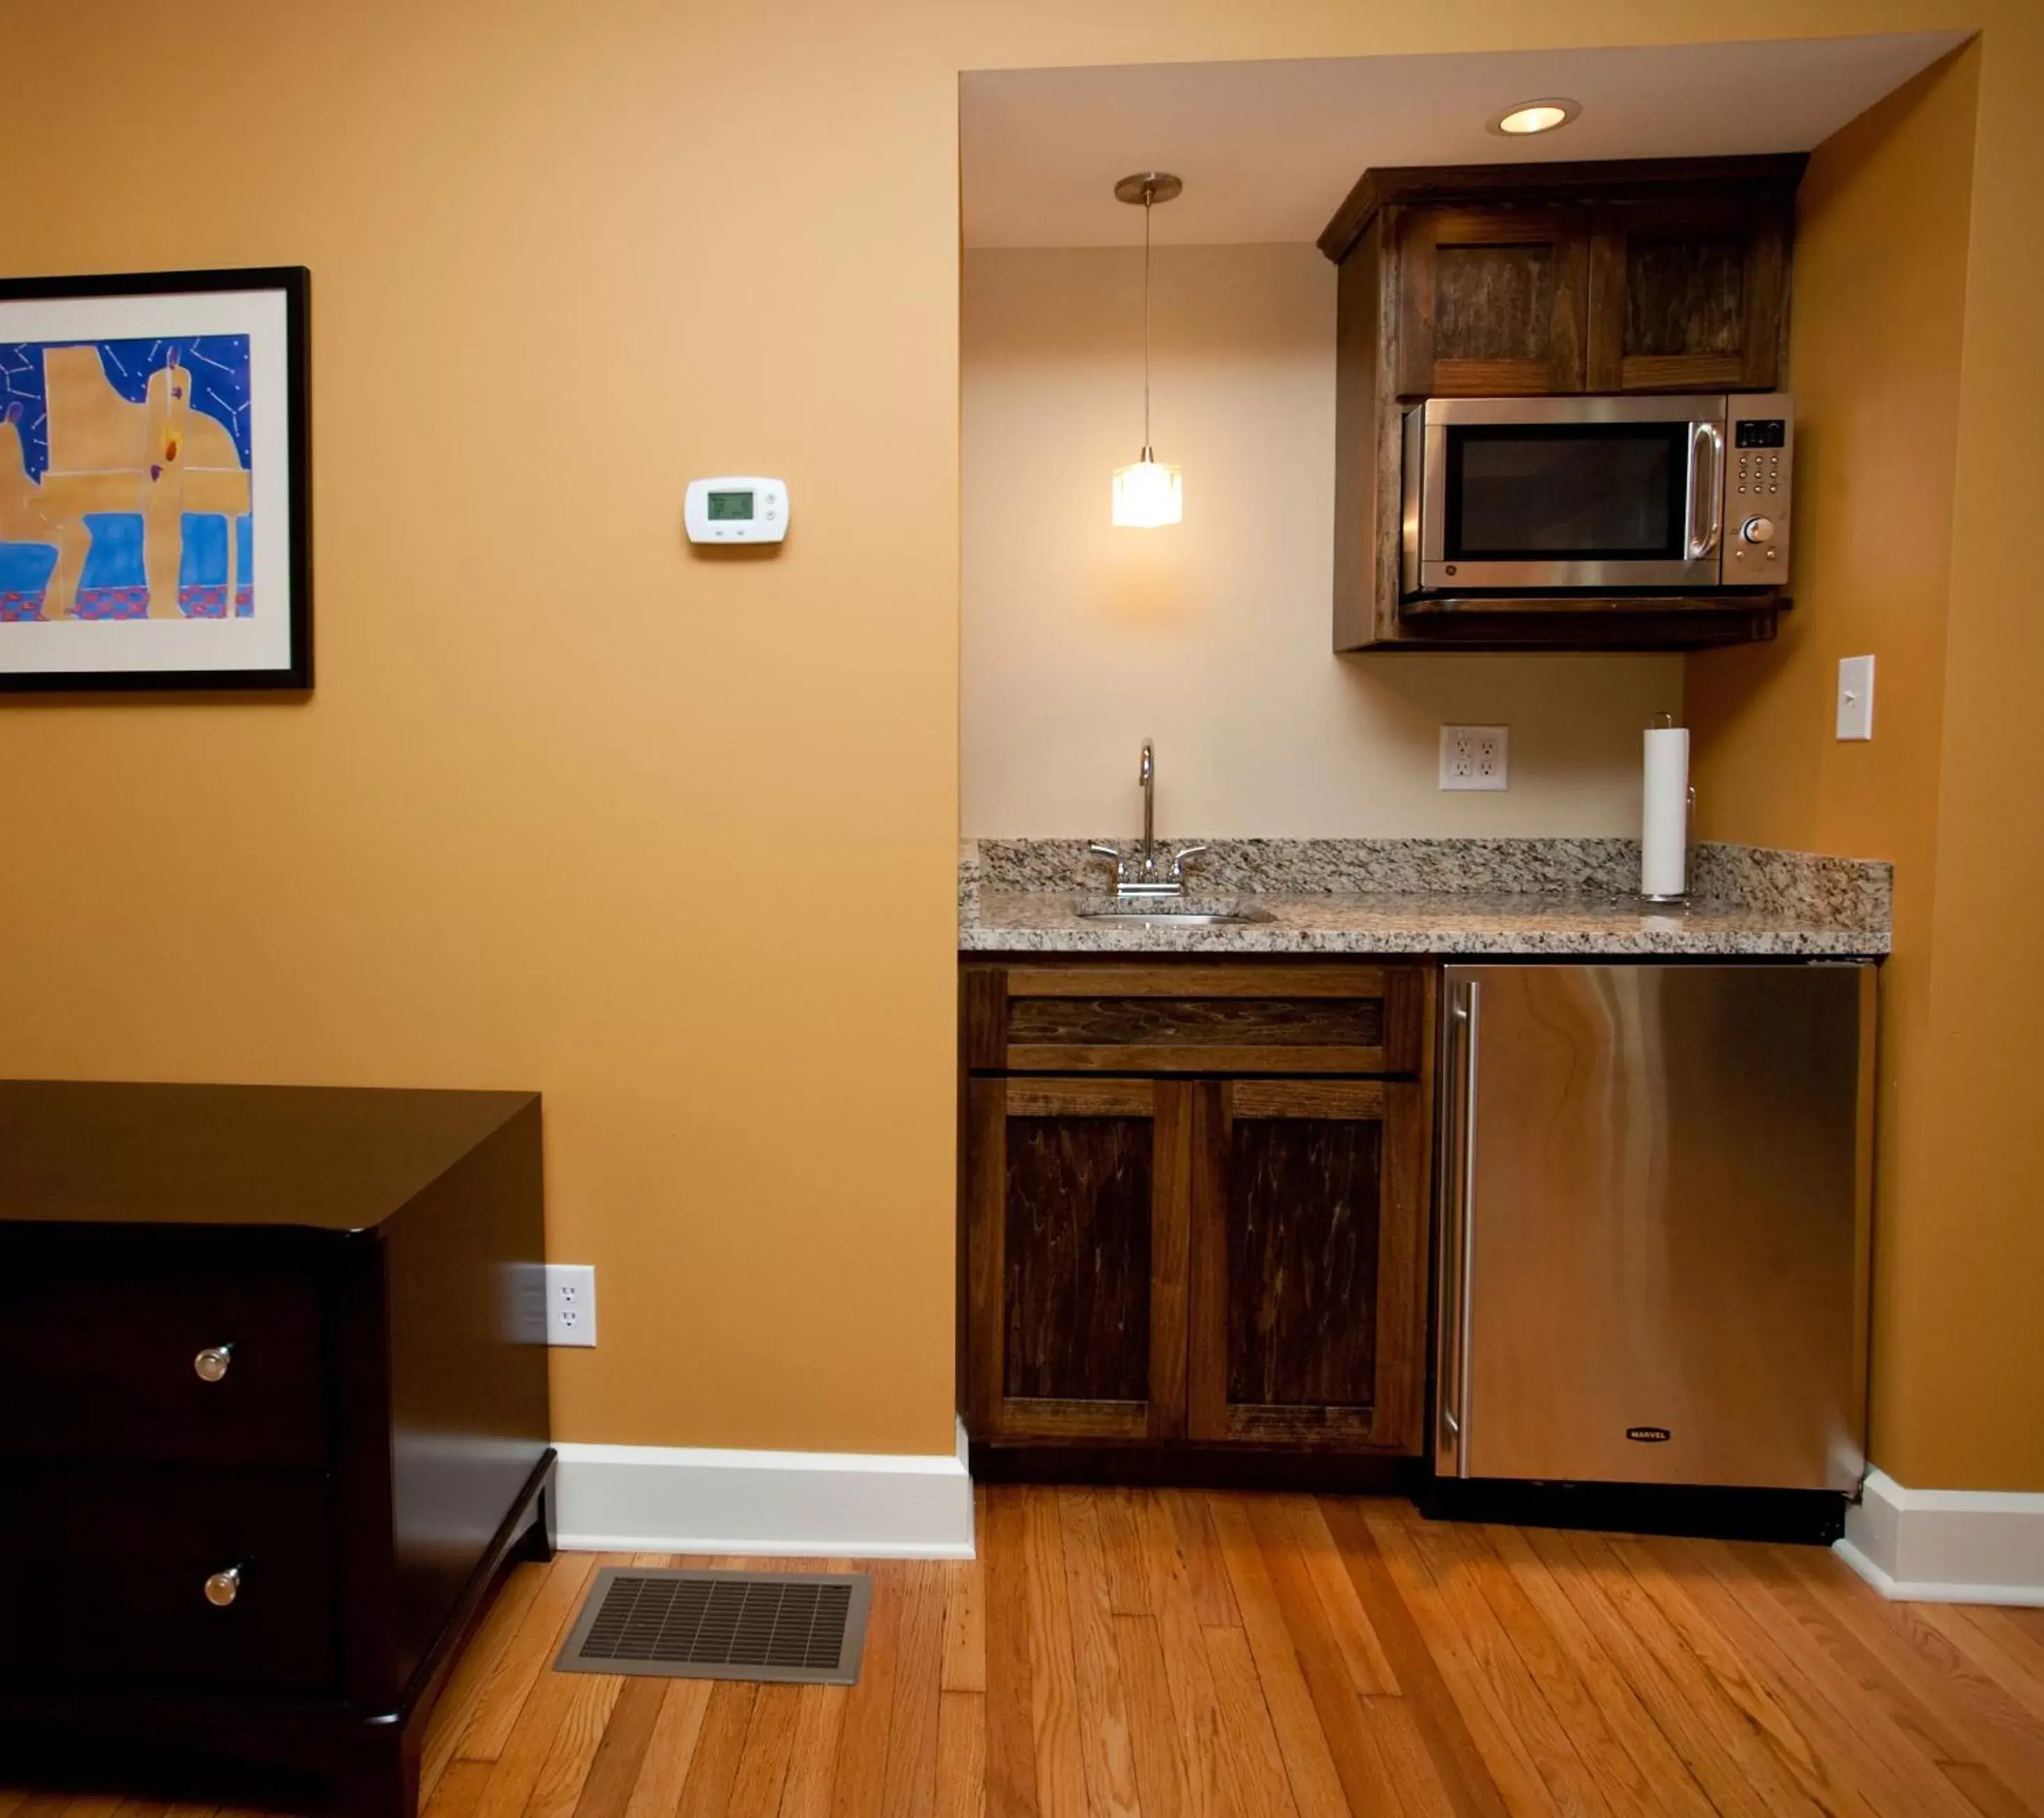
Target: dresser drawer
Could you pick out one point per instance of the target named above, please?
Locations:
(106, 1365)
(103, 1575)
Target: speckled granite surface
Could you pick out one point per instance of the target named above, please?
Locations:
(1500, 897)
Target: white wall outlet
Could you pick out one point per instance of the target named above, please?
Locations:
(1855, 697)
(570, 1303)
(1476, 757)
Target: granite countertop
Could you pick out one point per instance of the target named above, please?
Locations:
(1532, 897)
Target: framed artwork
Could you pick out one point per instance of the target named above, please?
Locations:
(155, 486)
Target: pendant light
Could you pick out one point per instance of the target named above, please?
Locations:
(1146, 493)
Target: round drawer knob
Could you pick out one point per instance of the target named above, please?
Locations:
(222, 1588)
(211, 1363)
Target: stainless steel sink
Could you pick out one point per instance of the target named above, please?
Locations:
(1167, 912)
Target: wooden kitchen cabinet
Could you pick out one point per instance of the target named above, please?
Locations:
(1205, 1229)
(1308, 1263)
(1544, 280)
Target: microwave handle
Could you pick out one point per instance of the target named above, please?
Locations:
(1706, 445)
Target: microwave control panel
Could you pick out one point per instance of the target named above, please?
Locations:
(1760, 440)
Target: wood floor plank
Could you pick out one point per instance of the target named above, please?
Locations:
(1344, 1718)
(861, 1775)
(1860, 1685)
(1998, 1730)
(606, 1791)
(1361, 1650)
(1206, 1572)
(558, 1790)
(1702, 1727)
(1657, 1760)
(1160, 1760)
(670, 1750)
(1107, 1752)
(727, 1723)
(1780, 1728)
(1857, 1745)
(1506, 1757)
(965, 1619)
(1997, 1646)
(528, 1747)
(460, 1790)
(961, 1756)
(1195, 1703)
(1625, 1787)
(813, 1762)
(1309, 1763)
(512, 1675)
(1011, 1746)
(1121, 1550)
(910, 1783)
(770, 1745)
(494, 1635)
(1984, 1792)
(1061, 1783)
(1435, 1717)
(1256, 1763)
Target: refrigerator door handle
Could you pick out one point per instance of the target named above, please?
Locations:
(1458, 1220)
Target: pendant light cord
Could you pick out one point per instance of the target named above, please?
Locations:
(1148, 195)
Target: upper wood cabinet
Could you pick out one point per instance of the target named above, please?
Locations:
(1493, 301)
(1517, 280)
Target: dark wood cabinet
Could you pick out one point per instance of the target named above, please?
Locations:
(281, 1422)
(1194, 1206)
(1308, 1263)
(1484, 281)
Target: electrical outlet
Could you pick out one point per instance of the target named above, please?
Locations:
(1476, 757)
(1855, 697)
(570, 1303)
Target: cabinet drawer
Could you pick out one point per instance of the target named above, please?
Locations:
(104, 1361)
(1203, 1019)
(103, 1573)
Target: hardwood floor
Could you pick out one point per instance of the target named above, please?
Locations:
(1114, 1653)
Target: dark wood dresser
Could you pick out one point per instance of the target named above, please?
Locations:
(276, 1419)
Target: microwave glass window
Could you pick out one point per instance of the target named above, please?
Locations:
(726, 507)
(1590, 492)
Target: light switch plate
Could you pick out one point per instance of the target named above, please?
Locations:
(1476, 757)
(1855, 697)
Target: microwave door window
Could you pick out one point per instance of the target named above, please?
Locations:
(1607, 492)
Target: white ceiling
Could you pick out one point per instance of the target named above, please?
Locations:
(1268, 150)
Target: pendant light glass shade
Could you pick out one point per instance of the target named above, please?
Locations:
(1147, 493)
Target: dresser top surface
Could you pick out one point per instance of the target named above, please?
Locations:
(330, 1158)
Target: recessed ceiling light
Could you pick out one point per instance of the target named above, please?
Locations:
(1531, 116)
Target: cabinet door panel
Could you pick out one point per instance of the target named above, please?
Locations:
(1494, 300)
(1308, 1209)
(1077, 1235)
(1687, 293)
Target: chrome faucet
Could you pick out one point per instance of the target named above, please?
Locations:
(1135, 873)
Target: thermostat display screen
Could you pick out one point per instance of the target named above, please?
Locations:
(725, 506)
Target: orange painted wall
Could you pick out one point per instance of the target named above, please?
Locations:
(1882, 231)
(568, 805)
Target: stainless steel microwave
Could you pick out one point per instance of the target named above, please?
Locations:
(1543, 495)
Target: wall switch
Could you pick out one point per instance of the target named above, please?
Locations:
(1855, 697)
(1476, 757)
(570, 1303)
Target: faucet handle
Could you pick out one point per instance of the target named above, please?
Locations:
(1178, 864)
(1111, 853)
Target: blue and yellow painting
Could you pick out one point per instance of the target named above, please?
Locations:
(124, 480)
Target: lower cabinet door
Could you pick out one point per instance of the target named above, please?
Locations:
(1308, 1219)
(1077, 1202)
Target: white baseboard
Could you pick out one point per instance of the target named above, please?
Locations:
(681, 1499)
(1946, 1546)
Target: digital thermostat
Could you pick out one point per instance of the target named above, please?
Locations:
(737, 509)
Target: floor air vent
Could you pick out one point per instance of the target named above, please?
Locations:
(805, 1627)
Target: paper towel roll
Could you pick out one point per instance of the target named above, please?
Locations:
(1664, 832)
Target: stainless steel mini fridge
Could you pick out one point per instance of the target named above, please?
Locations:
(1654, 1193)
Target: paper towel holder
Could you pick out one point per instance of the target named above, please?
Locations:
(1664, 722)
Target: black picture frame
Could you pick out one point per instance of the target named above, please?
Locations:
(295, 674)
